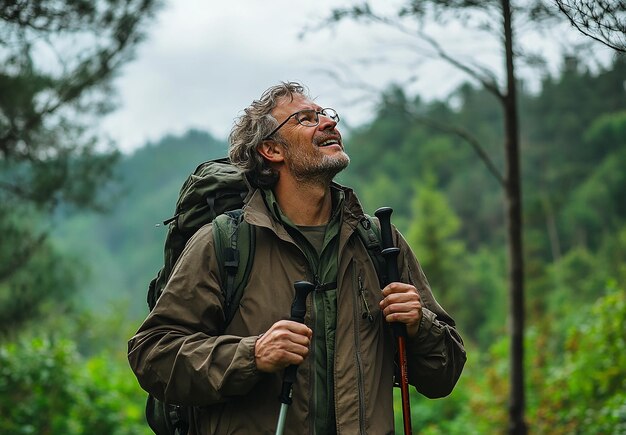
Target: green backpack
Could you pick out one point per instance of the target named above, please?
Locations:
(216, 192)
(213, 189)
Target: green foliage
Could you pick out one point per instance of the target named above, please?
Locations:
(578, 273)
(433, 417)
(383, 186)
(35, 279)
(56, 65)
(596, 204)
(577, 388)
(432, 234)
(612, 254)
(55, 73)
(586, 393)
(482, 283)
(46, 387)
(127, 244)
(476, 406)
(607, 133)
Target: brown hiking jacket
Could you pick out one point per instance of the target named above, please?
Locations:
(181, 356)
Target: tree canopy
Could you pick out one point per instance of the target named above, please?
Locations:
(57, 62)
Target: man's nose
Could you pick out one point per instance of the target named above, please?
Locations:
(326, 123)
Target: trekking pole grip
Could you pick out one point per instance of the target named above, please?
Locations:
(298, 307)
(298, 311)
(389, 251)
(384, 216)
(390, 254)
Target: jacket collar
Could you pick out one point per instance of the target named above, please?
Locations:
(262, 210)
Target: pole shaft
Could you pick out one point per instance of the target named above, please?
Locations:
(390, 254)
(282, 417)
(404, 386)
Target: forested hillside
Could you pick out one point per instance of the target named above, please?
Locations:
(124, 248)
(450, 208)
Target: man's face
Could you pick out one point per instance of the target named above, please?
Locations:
(311, 153)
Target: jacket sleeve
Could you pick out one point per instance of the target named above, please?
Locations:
(178, 354)
(435, 356)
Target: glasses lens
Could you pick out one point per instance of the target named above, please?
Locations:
(308, 118)
(330, 113)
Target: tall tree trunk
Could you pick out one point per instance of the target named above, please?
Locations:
(513, 204)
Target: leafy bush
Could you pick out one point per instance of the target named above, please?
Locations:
(46, 388)
(577, 389)
(587, 393)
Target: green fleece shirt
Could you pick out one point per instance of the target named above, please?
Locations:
(324, 265)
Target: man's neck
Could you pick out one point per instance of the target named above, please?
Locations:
(304, 204)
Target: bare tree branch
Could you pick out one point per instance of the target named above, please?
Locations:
(463, 134)
(479, 73)
(601, 20)
(487, 81)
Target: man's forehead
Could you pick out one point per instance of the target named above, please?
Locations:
(290, 104)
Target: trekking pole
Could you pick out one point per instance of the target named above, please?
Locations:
(298, 311)
(390, 254)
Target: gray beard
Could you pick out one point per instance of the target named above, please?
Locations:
(308, 170)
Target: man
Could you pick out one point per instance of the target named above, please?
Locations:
(291, 150)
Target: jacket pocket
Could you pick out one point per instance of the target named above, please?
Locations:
(367, 294)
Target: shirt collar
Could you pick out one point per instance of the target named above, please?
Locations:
(337, 199)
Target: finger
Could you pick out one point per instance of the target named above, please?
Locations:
(272, 355)
(400, 298)
(407, 318)
(282, 338)
(390, 306)
(291, 358)
(398, 287)
(408, 313)
(295, 327)
(404, 311)
(402, 307)
(279, 359)
(301, 340)
(296, 349)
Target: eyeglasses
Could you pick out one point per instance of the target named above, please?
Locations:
(307, 118)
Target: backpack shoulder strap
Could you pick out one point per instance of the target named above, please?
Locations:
(369, 232)
(234, 241)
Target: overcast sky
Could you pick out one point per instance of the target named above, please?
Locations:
(204, 61)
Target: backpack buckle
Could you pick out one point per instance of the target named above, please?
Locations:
(231, 260)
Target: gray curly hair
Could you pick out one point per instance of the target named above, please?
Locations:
(253, 126)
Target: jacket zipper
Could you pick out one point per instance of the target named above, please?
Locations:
(359, 363)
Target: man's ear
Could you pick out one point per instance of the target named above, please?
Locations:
(271, 151)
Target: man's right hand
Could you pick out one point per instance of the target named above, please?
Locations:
(284, 344)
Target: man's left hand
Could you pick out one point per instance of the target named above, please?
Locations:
(402, 303)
